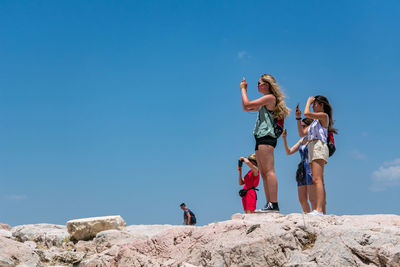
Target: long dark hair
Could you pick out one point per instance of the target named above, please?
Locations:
(328, 110)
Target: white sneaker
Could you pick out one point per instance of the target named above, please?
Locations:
(316, 213)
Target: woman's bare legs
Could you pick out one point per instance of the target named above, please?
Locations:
(302, 192)
(317, 169)
(248, 211)
(265, 161)
(311, 196)
(324, 207)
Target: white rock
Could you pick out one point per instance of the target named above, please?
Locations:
(43, 234)
(266, 240)
(292, 240)
(5, 233)
(148, 231)
(112, 236)
(31, 244)
(87, 228)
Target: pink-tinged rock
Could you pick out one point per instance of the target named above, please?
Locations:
(13, 253)
(87, 228)
(5, 226)
(148, 231)
(266, 240)
(246, 240)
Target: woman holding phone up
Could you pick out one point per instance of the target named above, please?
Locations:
(318, 151)
(305, 186)
(271, 107)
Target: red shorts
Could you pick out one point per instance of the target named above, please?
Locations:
(250, 200)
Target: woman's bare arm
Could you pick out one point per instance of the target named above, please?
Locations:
(248, 109)
(241, 182)
(302, 131)
(293, 149)
(266, 100)
(251, 166)
(321, 116)
(252, 106)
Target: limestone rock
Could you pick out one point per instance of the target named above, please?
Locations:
(87, 228)
(57, 256)
(266, 240)
(148, 231)
(5, 226)
(31, 244)
(14, 253)
(293, 240)
(5, 233)
(45, 235)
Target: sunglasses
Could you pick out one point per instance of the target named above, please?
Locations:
(258, 84)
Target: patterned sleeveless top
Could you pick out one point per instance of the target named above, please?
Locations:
(316, 131)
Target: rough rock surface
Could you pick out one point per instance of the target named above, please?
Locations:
(148, 231)
(246, 240)
(14, 253)
(266, 240)
(5, 226)
(87, 228)
(45, 235)
(5, 233)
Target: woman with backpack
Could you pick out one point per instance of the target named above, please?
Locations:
(318, 151)
(305, 186)
(271, 108)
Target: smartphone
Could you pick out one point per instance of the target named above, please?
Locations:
(297, 107)
(240, 163)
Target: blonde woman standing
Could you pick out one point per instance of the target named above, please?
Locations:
(271, 107)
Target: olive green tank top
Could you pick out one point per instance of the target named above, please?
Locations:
(264, 124)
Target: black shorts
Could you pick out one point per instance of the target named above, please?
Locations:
(266, 140)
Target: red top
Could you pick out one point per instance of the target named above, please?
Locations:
(251, 180)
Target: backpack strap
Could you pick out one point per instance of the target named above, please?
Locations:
(254, 188)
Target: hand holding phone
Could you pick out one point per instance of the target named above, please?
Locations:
(298, 111)
(240, 163)
(243, 84)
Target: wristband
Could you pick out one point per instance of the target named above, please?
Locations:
(298, 118)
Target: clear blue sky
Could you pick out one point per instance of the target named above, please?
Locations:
(132, 107)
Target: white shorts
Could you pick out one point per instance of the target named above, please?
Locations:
(318, 150)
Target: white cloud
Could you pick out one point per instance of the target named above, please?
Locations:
(387, 175)
(393, 162)
(357, 154)
(16, 197)
(242, 55)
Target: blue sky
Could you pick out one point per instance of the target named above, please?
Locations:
(132, 107)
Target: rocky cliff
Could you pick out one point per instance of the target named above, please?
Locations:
(245, 240)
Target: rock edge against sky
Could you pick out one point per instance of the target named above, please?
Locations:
(245, 240)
